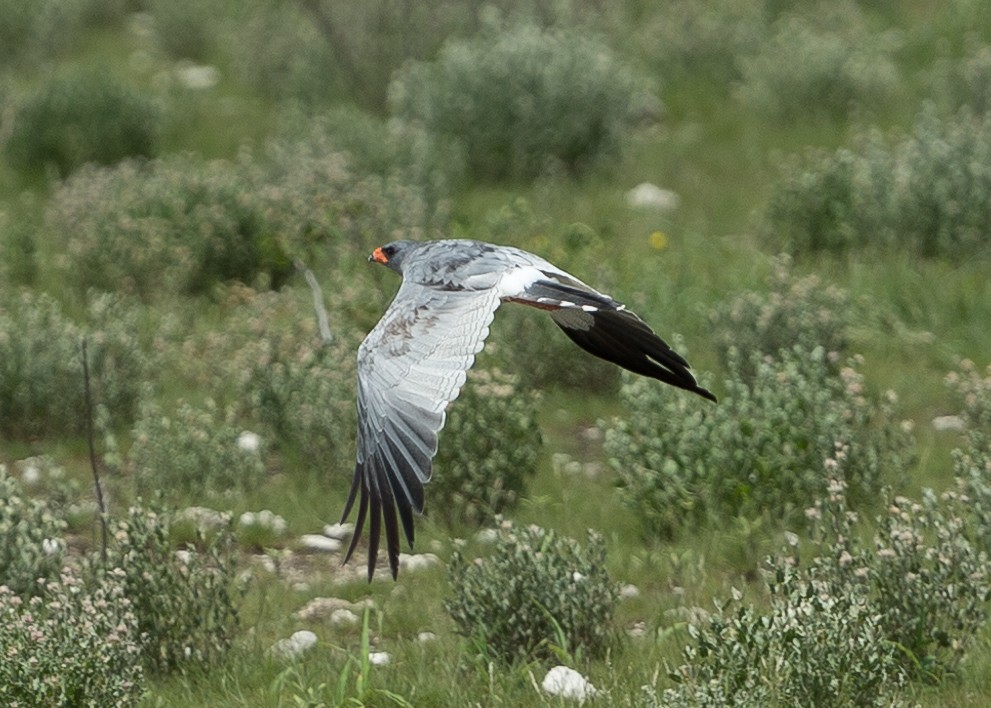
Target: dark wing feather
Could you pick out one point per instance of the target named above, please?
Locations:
(603, 327)
(410, 367)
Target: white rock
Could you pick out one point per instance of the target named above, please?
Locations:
(51, 546)
(198, 78)
(343, 618)
(424, 637)
(567, 683)
(295, 645)
(320, 607)
(204, 517)
(379, 658)
(184, 556)
(319, 542)
(338, 531)
(649, 196)
(418, 561)
(629, 591)
(948, 422)
(247, 519)
(248, 441)
(31, 474)
(639, 629)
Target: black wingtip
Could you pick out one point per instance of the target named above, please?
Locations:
(705, 393)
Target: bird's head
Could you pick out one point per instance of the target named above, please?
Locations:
(392, 254)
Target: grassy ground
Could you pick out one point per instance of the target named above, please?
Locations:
(920, 317)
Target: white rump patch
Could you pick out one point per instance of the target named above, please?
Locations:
(516, 280)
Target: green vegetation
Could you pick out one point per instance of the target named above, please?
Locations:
(168, 169)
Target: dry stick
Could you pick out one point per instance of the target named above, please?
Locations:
(92, 458)
(311, 280)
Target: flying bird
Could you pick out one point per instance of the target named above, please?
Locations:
(415, 360)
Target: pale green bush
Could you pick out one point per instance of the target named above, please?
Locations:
(788, 312)
(814, 647)
(759, 451)
(193, 450)
(184, 600)
(519, 99)
(79, 117)
(496, 447)
(42, 390)
(929, 192)
(905, 603)
(822, 62)
(687, 38)
(180, 225)
(162, 227)
(33, 31)
(31, 544)
(70, 645)
(537, 593)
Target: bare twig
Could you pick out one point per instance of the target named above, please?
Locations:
(322, 321)
(92, 457)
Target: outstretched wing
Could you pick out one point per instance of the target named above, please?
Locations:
(410, 366)
(604, 327)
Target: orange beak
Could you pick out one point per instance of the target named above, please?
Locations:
(378, 256)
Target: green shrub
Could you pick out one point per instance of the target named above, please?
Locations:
(31, 544)
(303, 391)
(760, 451)
(519, 99)
(497, 446)
(184, 600)
(171, 225)
(931, 581)
(535, 595)
(33, 31)
(192, 451)
(268, 363)
(824, 64)
(790, 312)
(42, 390)
(70, 645)
(687, 38)
(186, 30)
(905, 603)
(972, 462)
(79, 117)
(179, 225)
(813, 647)
(928, 192)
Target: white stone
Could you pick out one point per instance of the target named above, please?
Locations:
(944, 423)
(319, 542)
(183, 556)
(248, 441)
(567, 683)
(31, 474)
(343, 618)
(338, 531)
(198, 78)
(379, 658)
(247, 519)
(649, 196)
(629, 591)
(424, 637)
(418, 561)
(295, 645)
(320, 607)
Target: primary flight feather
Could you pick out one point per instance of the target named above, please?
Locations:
(414, 362)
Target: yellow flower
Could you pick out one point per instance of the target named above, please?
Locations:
(659, 240)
